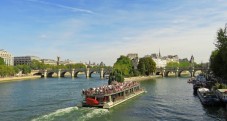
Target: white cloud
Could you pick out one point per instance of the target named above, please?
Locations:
(73, 9)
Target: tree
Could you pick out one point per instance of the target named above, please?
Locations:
(184, 64)
(116, 75)
(123, 65)
(24, 68)
(35, 64)
(2, 61)
(172, 65)
(218, 58)
(146, 66)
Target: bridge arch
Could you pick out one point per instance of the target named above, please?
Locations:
(158, 73)
(64, 72)
(167, 73)
(77, 72)
(185, 70)
(38, 74)
(91, 72)
(50, 74)
(196, 72)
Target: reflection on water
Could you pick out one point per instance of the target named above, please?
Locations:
(55, 99)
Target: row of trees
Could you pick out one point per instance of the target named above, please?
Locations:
(218, 58)
(183, 64)
(36, 65)
(12, 70)
(123, 67)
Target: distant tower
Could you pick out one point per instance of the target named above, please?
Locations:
(192, 60)
(58, 60)
(159, 54)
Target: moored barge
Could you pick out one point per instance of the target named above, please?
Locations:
(108, 96)
(207, 97)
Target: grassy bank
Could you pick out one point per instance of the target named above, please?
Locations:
(142, 78)
(10, 79)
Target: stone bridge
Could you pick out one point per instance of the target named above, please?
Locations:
(73, 72)
(177, 71)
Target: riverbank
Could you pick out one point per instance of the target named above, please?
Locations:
(10, 79)
(142, 78)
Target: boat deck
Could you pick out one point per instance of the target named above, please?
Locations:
(126, 98)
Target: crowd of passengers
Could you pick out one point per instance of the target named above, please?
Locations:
(108, 89)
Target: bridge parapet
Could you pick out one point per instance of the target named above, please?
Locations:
(73, 72)
(179, 70)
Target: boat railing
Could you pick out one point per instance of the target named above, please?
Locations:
(107, 90)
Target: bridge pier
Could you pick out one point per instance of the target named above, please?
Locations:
(192, 73)
(163, 72)
(87, 73)
(45, 74)
(102, 73)
(59, 73)
(177, 73)
(72, 73)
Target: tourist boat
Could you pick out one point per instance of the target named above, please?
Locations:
(207, 97)
(222, 95)
(108, 96)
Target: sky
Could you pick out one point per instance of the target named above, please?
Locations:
(102, 30)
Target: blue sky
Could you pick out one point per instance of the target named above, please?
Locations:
(102, 30)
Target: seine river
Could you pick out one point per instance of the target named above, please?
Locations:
(55, 99)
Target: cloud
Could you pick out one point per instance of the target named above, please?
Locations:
(183, 28)
(73, 9)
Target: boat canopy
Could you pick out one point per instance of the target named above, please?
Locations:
(203, 90)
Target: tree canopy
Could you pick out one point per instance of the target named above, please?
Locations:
(183, 64)
(218, 58)
(124, 66)
(146, 66)
(2, 61)
(172, 65)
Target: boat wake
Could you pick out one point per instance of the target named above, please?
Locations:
(73, 114)
(93, 113)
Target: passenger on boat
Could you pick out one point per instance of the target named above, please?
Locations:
(107, 89)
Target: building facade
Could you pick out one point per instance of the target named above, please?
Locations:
(171, 58)
(160, 62)
(135, 59)
(25, 60)
(49, 61)
(7, 57)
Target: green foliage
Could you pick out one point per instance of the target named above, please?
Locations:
(184, 64)
(124, 65)
(6, 70)
(35, 65)
(172, 65)
(218, 58)
(24, 68)
(136, 73)
(2, 61)
(146, 66)
(74, 66)
(116, 75)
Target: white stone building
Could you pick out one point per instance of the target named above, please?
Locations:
(7, 57)
(171, 58)
(49, 61)
(160, 62)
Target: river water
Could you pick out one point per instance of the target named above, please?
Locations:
(55, 99)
